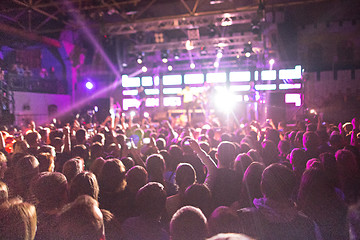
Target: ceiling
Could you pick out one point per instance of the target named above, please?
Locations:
(149, 26)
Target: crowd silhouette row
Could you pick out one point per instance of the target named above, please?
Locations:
(120, 180)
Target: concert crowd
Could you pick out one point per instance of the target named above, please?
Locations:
(123, 179)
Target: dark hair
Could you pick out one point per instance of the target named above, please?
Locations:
(112, 177)
(72, 168)
(226, 153)
(50, 189)
(150, 200)
(223, 220)
(188, 223)
(136, 178)
(251, 181)
(155, 166)
(199, 195)
(4, 192)
(85, 183)
(46, 162)
(242, 162)
(81, 219)
(277, 182)
(185, 175)
(17, 220)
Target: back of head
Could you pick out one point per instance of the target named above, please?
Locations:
(72, 168)
(311, 127)
(46, 162)
(223, 220)
(188, 223)
(277, 182)
(226, 154)
(50, 189)
(255, 155)
(270, 152)
(252, 179)
(81, 219)
(27, 167)
(32, 138)
(284, 147)
(85, 183)
(242, 162)
(4, 192)
(310, 140)
(80, 136)
(80, 151)
(128, 162)
(185, 175)
(160, 143)
(151, 199)
(136, 178)
(155, 165)
(112, 177)
(199, 195)
(346, 163)
(17, 220)
(272, 135)
(298, 159)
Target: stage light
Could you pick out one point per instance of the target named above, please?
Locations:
(248, 49)
(96, 108)
(225, 100)
(170, 68)
(144, 69)
(89, 85)
(146, 115)
(226, 21)
(132, 114)
(189, 45)
(139, 58)
(219, 53)
(176, 55)
(164, 56)
(271, 61)
(216, 64)
(312, 111)
(192, 65)
(242, 125)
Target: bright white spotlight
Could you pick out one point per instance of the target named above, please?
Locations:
(144, 69)
(139, 61)
(216, 64)
(312, 111)
(164, 60)
(132, 114)
(146, 115)
(89, 85)
(96, 108)
(192, 65)
(247, 54)
(170, 68)
(242, 125)
(271, 61)
(225, 100)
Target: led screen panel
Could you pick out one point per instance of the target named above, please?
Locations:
(146, 81)
(133, 92)
(172, 90)
(130, 81)
(130, 102)
(197, 78)
(156, 80)
(172, 80)
(290, 73)
(152, 102)
(240, 76)
(236, 88)
(264, 87)
(285, 86)
(152, 91)
(172, 101)
(219, 77)
(293, 98)
(267, 75)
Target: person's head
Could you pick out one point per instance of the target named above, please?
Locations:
(298, 160)
(230, 236)
(96, 166)
(269, 152)
(205, 146)
(72, 168)
(136, 178)
(96, 150)
(284, 147)
(81, 219)
(313, 163)
(310, 140)
(185, 176)
(242, 162)
(128, 162)
(80, 136)
(346, 163)
(150, 200)
(223, 220)
(298, 141)
(17, 220)
(226, 154)
(160, 143)
(328, 163)
(33, 139)
(251, 181)
(336, 141)
(3, 165)
(188, 223)
(50, 189)
(100, 138)
(272, 135)
(255, 155)
(155, 166)
(199, 195)
(20, 147)
(4, 192)
(85, 183)
(277, 182)
(81, 151)
(112, 177)
(47, 149)
(46, 162)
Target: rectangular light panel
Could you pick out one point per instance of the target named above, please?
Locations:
(130, 102)
(127, 81)
(147, 81)
(240, 76)
(172, 90)
(235, 88)
(267, 75)
(264, 87)
(197, 78)
(172, 101)
(293, 98)
(290, 73)
(216, 77)
(284, 86)
(152, 102)
(152, 91)
(133, 92)
(172, 80)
